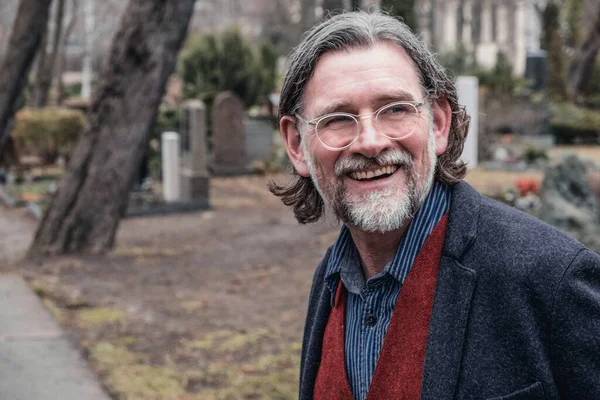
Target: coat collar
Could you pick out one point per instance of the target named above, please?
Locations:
(452, 303)
(453, 295)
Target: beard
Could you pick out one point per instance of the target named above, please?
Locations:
(382, 210)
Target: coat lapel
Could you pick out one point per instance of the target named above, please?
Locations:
(453, 296)
(447, 329)
(314, 331)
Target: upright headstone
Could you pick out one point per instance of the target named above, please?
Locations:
(535, 69)
(468, 95)
(194, 173)
(228, 138)
(259, 138)
(170, 166)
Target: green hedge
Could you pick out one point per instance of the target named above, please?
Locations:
(570, 123)
(48, 132)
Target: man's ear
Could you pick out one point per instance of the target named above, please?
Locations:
(293, 145)
(442, 119)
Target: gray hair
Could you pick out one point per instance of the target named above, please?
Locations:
(362, 30)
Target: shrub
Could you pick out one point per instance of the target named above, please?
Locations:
(532, 155)
(499, 80)
(570, 123)
(210, 65)
(48, 132)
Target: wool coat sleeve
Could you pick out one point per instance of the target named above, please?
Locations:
(575, 336)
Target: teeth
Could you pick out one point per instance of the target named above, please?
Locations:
(360, 175)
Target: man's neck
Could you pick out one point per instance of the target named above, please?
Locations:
(376, 250)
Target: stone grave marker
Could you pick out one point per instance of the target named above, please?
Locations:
(170, 166)
(194, 176)
(259, 138)
(228, 137)
(468, 95)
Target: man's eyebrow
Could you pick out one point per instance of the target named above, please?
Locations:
(400, 95)
(333, 107)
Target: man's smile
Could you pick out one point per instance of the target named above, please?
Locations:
(381, 172)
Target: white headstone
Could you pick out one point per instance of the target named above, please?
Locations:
(170, 166)
(468, 95)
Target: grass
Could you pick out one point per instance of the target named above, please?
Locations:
(101, 316)
(266, 376)
(224, 341)
(127, 375)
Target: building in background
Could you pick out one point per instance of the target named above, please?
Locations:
(484, 28)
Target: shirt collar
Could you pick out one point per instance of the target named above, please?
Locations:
(344, 255)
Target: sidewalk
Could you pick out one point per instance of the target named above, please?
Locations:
(36, 361)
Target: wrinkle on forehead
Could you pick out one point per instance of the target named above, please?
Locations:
(356, 77)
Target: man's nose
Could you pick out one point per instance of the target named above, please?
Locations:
(369, 143)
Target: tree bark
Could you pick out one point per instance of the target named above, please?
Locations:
(332, 7)
(308, 18)
(583, 63)
(47, 62)
(28, 28)
(93, 192)
(62, 55)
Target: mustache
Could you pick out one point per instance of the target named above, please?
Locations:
(359, 162)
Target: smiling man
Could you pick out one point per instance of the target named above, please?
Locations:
(431, 291)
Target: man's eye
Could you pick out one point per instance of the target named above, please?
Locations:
(335, 122)
(395, 109)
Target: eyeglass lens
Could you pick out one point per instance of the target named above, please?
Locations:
(395, 121)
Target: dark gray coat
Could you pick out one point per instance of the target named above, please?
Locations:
(516, 313)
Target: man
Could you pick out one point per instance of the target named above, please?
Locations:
(474, 300)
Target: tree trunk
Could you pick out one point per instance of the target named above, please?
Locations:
(332, 7)
(47, 62)
(86, 72)
(62, 55)
(29, 25)
(583, 63)
(308, 18)
(93, 193)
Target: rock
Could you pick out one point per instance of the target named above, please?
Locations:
(569, 200)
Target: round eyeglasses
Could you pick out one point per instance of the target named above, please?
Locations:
(338, 131)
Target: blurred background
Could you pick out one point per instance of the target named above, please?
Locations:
(136, 140)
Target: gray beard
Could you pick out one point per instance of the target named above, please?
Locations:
(373, 212)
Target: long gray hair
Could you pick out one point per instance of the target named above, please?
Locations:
(361, 30)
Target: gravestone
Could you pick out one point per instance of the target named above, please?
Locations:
(259, 138)
(468, 95)
(569, 197)
(170, 166)
(194, 176)
(535, 69)
(228, 138)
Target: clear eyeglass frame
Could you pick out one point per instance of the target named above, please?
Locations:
(356, 117)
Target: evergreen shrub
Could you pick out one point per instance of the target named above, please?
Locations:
(48, 132)
(570, 123)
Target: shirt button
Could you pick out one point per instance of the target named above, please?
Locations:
(371, 320)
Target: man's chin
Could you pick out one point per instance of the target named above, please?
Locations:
(378, 216)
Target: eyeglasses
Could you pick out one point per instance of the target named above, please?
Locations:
(338, 131)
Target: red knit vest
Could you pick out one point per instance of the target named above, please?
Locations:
(399, 370)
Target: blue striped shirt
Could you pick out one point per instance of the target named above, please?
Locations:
(369, 304)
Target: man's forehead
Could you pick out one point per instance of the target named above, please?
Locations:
(380, 72)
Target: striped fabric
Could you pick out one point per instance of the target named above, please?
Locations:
(370, 304)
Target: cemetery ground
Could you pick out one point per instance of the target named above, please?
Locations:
(205, 305)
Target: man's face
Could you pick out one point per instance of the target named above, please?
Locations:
(360, 81)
